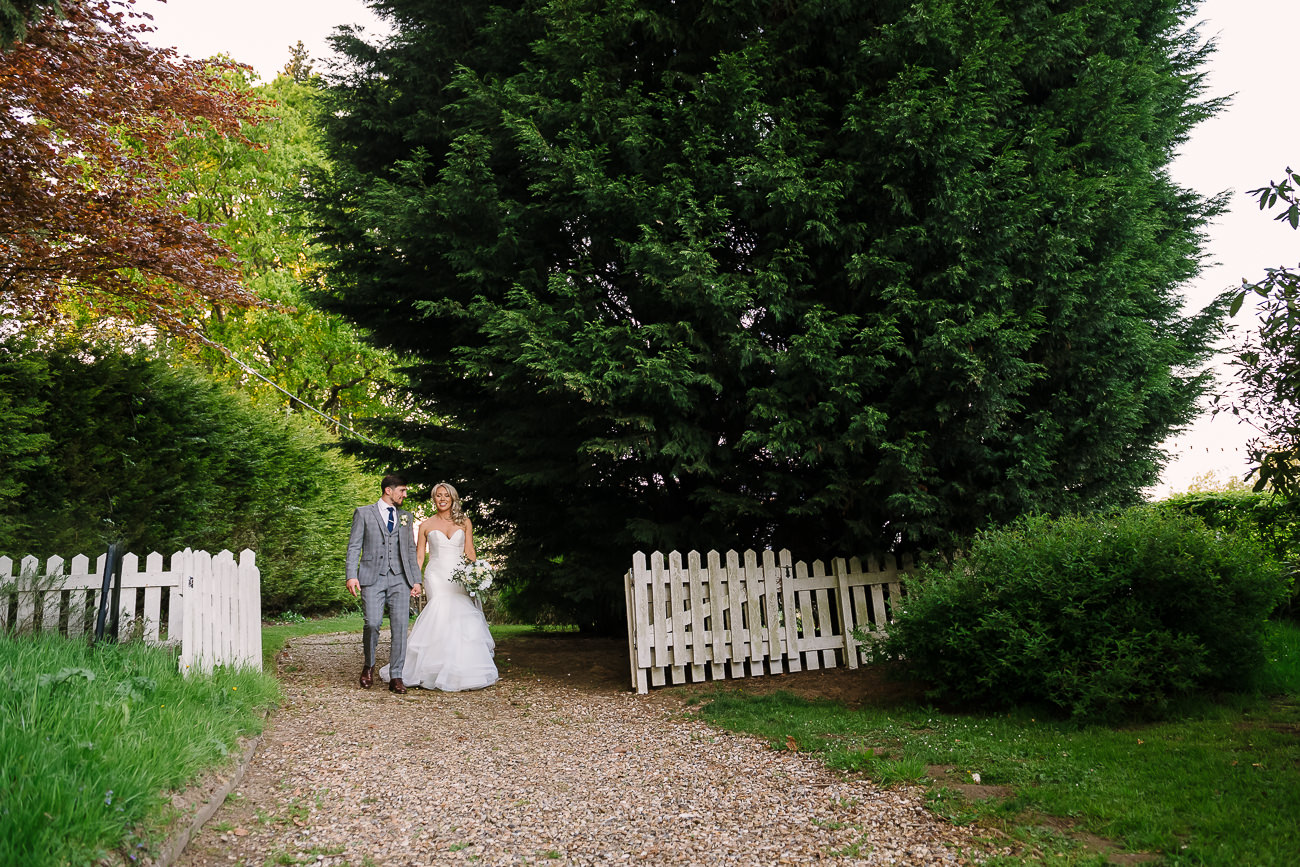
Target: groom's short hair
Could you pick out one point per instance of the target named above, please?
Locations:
(392, 480)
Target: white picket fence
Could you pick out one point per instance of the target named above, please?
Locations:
(207, 605)
(742, 618)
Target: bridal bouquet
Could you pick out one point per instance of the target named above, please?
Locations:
(474, 577)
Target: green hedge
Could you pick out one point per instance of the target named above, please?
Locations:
(1101, 617)
(120, 447)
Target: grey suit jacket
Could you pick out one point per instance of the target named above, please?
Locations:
(368, 551)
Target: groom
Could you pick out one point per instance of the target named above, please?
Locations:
(381, 569)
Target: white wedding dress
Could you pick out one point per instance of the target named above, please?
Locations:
(450, 647)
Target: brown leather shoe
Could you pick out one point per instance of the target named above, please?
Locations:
(367, 676)
(396, 685)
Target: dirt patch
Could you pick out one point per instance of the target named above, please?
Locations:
(601, 664)
(1094, 843)
(958, 781)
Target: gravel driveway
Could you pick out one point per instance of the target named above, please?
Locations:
(543, 768)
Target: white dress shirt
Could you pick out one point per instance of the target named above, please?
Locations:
(383, 513)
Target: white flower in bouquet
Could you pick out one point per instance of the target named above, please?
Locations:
(475, 577)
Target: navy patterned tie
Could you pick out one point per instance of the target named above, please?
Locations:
(390, 519)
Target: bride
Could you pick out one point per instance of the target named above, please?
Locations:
(450, 647)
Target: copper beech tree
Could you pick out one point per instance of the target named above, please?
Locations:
(89, 116)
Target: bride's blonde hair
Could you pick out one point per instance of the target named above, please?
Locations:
(457, 513)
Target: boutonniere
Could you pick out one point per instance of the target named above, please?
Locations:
(405, 520)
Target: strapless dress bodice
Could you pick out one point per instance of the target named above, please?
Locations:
(437, 537)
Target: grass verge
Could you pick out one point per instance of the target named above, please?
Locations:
(1219, 785)
(277, 632)
(93, 737)
(290, 626)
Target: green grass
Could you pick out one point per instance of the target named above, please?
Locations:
(1220, 785)
(277, 632)
(289, 626)
(93, 737)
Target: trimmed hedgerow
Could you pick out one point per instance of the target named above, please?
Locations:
(107, 445)
(1102, 617)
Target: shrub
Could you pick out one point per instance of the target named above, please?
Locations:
(1102, 617)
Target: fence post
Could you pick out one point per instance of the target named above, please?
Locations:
(658, 598)
(639, 630)
(629, 603)
(107, 597)
(250, 589)
(771, 613)
(719, 616)
(794, 660)
(6, 575)
(699, 613)
(679, 618)
(840, 570)
(26, 616)
(183, 565)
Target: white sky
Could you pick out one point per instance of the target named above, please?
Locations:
(1248, 144)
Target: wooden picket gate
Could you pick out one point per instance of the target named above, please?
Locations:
(209, 606)
(746, 618)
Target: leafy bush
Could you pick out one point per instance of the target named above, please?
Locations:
(1271, 520)
(157, 458)
(1101, 617)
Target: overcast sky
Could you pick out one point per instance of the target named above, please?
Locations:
(1244, 147)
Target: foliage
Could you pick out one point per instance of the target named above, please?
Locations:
(84, 209)
(247, 188)
(1210, 482)
(299, 65)
(23, 445)
(829, 276)
(159, 459)
(1100, 617)
(17, 15)
(1268, 362)
(1216, 787)
(1272, 522)
(93, 738)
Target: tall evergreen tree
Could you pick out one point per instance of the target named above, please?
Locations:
(829, 275)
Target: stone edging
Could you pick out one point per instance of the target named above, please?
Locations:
(181, 837)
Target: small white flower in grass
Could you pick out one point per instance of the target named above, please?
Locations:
(975, 776)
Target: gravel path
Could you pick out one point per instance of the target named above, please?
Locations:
(536, 770)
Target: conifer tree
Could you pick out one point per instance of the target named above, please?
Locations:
(828, 275)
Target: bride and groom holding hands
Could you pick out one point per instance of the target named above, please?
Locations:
(449, 647)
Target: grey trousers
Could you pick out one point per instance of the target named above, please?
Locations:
(393, 591)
